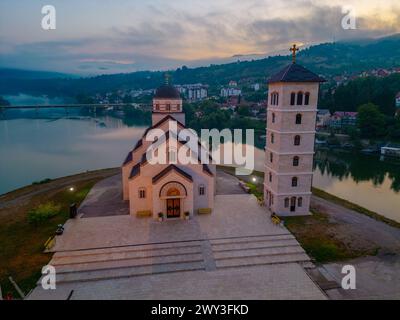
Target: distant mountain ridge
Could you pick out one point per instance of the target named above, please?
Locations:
(31, 74)
(328, 60)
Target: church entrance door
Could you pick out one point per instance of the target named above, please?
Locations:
(173, 208)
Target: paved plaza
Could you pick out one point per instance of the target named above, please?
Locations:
(234, 253)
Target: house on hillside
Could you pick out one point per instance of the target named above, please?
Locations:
(341, 119)
(323, 118)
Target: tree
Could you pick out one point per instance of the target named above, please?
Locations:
(371, 121)
(393, 128)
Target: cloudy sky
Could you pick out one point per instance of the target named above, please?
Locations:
(104, 36)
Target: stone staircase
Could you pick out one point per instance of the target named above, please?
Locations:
(147, 259)
(257, 250)
(127, 261)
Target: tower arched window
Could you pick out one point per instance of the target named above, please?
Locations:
(300, 202)
(274, 98)
(286, 202)
(273, 117)
(272, 138)
(299, 98)
(168, 107)
(157, 107)
(271, 157)
(296, 161)
(297, 140)
(270, 177)
(298, 118)
(293, 98)
(295, 181)
(307, 98)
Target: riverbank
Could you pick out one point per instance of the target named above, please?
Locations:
(22, 254)
(352, 206)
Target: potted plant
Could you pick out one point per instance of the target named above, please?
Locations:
(187, 215)
(160, 216)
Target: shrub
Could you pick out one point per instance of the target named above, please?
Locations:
(43, 212)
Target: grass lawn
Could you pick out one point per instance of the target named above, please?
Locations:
(316, 235)
(21, 254)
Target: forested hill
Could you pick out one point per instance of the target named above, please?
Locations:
(328, 59)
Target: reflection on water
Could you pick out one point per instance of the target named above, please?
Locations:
(362, 179)
(47, 144)
(34, 149)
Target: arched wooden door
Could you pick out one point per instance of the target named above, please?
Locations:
(173, 204)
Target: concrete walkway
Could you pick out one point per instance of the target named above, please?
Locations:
(234, 253)
(271, 282)
(233, 216)
(227, 184)
(105, 199)
(377, 277)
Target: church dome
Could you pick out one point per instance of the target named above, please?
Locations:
(167, 92)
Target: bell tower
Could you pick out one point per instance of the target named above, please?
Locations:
(167, 101)
(291, 117)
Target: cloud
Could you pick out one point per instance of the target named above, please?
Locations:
(318, 24)
(164, 35)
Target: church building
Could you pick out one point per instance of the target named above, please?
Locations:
(171, 189)
(291, 118)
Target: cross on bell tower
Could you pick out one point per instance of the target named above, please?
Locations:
(294, 50)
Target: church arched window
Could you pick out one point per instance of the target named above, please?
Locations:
(292, 98)
(286, 202)
(272, 138)
(300, 202)
(298, 118)
(271, 157)
(295, 181)
(171, 155)
(168, 107)
(299, 98)
(273, 117)
(157, 107)
(307, 98)
(297, 140)
(296, 161)
(270, 177)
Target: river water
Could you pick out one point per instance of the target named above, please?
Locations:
(52, 143)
